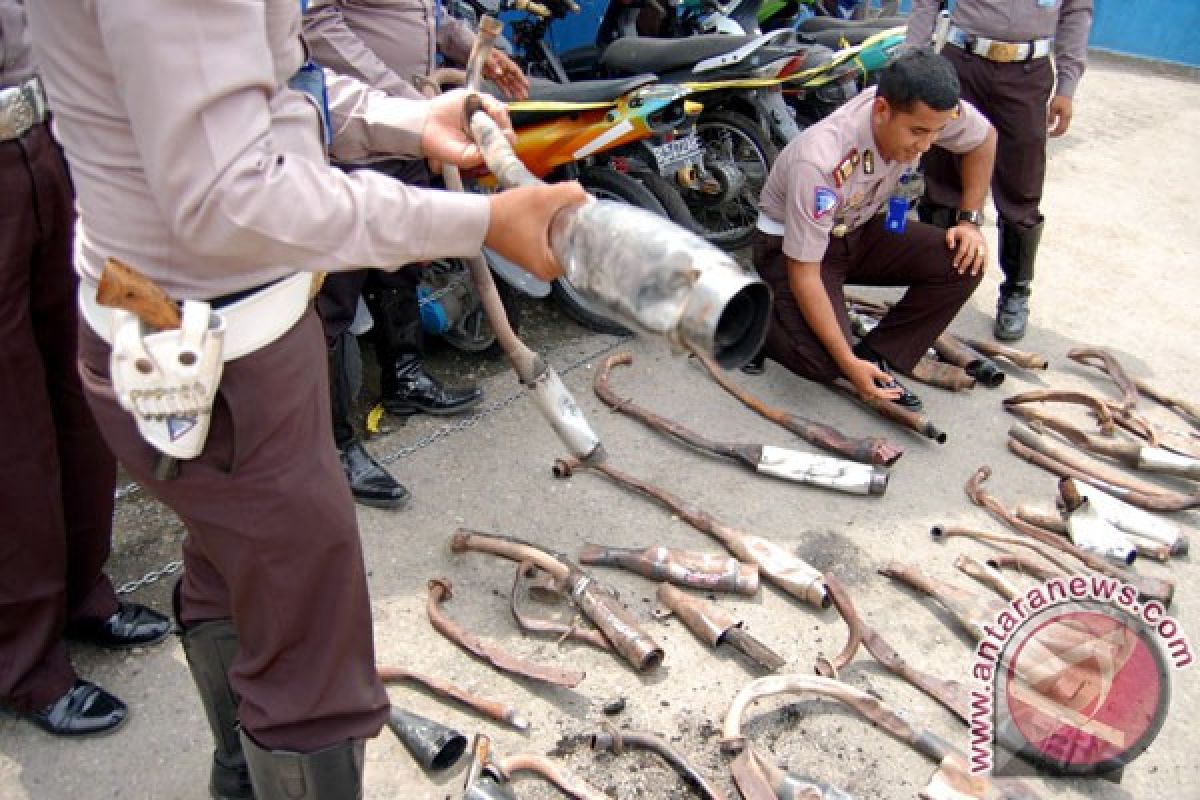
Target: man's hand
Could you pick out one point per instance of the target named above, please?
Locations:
(1058, 115)
(519, 227)
(444, 139)
(503, 71)
(969, 246)
(864, 374)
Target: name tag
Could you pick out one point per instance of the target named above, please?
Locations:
(897, 215)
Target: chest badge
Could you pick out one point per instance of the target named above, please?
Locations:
(845, 167)
(868, 162)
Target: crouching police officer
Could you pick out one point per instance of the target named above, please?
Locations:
(195, 162)
(819, 228)
(1001, 51)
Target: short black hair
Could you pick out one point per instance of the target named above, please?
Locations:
(919, 74)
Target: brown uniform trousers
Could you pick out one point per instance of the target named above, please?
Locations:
(1013, 96)
(56, 474)
(272, 541)
(867, 256)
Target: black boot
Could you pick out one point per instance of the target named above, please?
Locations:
(1018, 251)
(405, 387)
(939, 216)
(370, 483)
(334, 773)
(210, 648)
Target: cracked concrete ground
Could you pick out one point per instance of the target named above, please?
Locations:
(1118, 270)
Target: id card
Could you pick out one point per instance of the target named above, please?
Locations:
(897, 215)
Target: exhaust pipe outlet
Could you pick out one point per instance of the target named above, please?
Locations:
(433, 745)
(656, 278)
(1134, 521)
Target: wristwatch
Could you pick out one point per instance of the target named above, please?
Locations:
(973, 217)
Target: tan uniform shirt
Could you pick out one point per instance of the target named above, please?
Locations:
(195, 163)
(832, 174)
(384, 43)
(1068, 22)
(16, 55)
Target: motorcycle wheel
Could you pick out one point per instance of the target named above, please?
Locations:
(474, 334)
(667, 193)
(739, 155)
(606, 184)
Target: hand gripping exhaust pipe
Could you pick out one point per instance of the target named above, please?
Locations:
(433, 745)
(645, 271)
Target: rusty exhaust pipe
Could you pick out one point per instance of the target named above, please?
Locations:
(501, 659)
(942, 375)
(492, 709)
(694, 570)
(912, 420)
(953, 695)
(1021, 358)
(597, 603)
(570, 785)
(1147, 586)
(873, 450)
(614, 741)
(951, 779)
(788, 572)
(715, 626)
(846, 476)
(977, 365)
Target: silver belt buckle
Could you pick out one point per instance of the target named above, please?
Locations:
(20, 109)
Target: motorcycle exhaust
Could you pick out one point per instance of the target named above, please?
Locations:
(1134, 521)
(433, 745)
(658, 278)
(1090, 530)
(641, 270)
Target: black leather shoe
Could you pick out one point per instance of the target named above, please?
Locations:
(132, 625)
(408, 389)
(83, 710)
(907, 399)
(756, 365)
(370, 483)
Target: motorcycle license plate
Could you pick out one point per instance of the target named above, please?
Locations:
(676, 153)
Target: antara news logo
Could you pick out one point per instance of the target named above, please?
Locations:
(1073, 675)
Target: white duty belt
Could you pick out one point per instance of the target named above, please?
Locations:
(996, 50)
(251, 323)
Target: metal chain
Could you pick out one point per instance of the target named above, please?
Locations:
(171, 567)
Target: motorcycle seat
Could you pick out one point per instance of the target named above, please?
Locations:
(814, 24)
(833, 37)
(644, 54)
(587, 91)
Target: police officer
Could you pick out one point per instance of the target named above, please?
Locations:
(56, 473)
(819, 228)
(1001, 51)
(385, 45)
(196, 163)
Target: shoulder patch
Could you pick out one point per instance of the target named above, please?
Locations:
(845, 168)
(825, 200)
